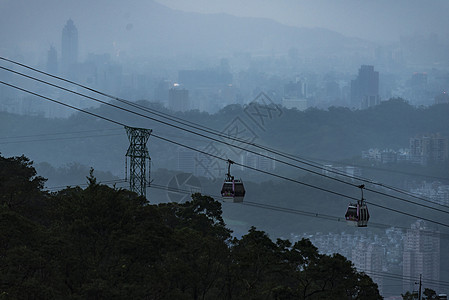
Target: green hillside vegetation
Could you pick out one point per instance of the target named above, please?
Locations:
(108, 243)
(333, 134)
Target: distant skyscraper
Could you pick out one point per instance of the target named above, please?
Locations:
(368, 257)
(52, 61)
(365, 88)
(69, 47)
(421, 256)
(178, 99)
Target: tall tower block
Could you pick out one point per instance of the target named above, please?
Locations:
(69, 47)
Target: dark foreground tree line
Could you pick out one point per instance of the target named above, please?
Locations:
(109, 243)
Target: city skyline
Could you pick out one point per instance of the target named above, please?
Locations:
(117, 28)
(311, 105)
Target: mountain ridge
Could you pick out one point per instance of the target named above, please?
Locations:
(147, 27)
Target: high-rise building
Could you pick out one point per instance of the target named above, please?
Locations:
(421, 256)
(365, 88)
(178, 99)
(69, 47)
(368, 257)
(295, 94)
(429, 148)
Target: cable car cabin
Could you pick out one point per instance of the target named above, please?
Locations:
(233, 190)
(357, 214)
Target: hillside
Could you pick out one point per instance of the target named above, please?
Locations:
(334, 134)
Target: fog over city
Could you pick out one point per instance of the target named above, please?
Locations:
(109, 26)
(299, 117)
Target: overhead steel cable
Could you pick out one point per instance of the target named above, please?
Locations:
(171, 119)
(62, 103)
(407, 278)
(225, 159)
(187, 130)
(176, 126)
(211, 138)
(368, 180)
(315, 215)
(303, 183)
(265, 206)
(195, 125)
(299, 212)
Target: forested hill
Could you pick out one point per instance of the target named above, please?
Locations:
(107, 243)
(339, 133)
(336, 133)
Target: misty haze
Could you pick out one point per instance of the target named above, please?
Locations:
(224, 149)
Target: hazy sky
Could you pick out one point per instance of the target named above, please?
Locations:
(371, 19)
(111, 26)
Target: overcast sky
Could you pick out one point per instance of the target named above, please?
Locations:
(376, 20)
(104, 26)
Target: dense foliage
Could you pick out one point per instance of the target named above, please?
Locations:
(106, 243)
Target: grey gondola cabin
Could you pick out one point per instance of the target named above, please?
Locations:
(233, 189)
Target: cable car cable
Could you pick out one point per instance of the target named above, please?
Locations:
(209, 130)
(177, 127)
(302, 212)
(216, 140)
(264, 206)
(62, 103)
(190, 131)
(305, 184)
(203, 152)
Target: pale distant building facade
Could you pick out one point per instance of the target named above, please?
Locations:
(178, 99)
(365, 88)
(421, 256)
(295, 95)
(369, 257)
(69, 48)
(429, 148)
(435, 191)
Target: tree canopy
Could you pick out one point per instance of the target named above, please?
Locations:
(102, 242)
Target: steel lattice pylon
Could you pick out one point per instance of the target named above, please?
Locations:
(138, 156)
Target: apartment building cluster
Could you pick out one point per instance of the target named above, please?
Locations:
(435, 191)
(405, 253)
(424, 149)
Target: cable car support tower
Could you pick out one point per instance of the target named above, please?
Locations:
(138, 158)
